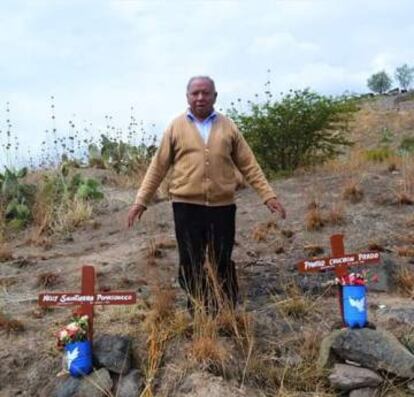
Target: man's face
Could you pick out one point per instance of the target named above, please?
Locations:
(201, 97)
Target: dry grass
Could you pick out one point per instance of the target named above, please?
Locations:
(48, 279)
(209, 352)
(314, 219)
(405, 251)
(336, 215)
(404, 280)
(10, 325)
(76, 213)
(352, 192)
(313, 250)
(6, 253)
(261, 231)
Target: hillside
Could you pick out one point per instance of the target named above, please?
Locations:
(270, 347)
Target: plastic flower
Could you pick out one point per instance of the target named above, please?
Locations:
(75, 331)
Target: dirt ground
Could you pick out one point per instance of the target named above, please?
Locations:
(267, 251)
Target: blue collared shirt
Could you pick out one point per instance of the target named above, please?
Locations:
(204, 127)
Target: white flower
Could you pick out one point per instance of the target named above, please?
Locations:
(63, 334)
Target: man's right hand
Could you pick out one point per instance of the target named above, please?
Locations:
(135, 212)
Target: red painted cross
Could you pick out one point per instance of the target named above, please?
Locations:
(339, 262)
(87, 298)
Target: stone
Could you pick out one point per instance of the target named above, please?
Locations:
(327, 356)
(404, 315)
(348, 377)
(374, 349)
(130, 385)
(68, 388)
(364, 392)
(200, 384)
(97, 384)
(113, 352)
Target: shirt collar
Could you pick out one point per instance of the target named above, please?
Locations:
(212, 116)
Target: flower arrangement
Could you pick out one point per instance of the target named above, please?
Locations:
(357, 278)
(75, 331)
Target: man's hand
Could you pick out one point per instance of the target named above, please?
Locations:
(135, 212)
(274, 206)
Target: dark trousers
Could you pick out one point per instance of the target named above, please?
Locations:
(199, 230)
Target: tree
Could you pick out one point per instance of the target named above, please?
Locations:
(379, 82)
(302, 128)
(405, 76)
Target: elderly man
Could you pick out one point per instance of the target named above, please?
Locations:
(203, 147)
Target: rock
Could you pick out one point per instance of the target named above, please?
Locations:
(404, 315)
(348, 377)
(68, 388)
(374, 349)
(129, 385)
(97, 384)
(327, 357)
(200, 384)
(410, 387)
(113, 352)
(364, 392)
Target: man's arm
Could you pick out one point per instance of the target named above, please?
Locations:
(246, 162)
(156, 172)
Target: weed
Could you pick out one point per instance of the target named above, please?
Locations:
(352, 192)
(6, 253)
(314, 219)
(379, 155)
(48, 279)
(404, 280)
(313, 250)
(10, 325)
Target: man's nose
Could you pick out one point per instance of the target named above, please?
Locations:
(200, 95)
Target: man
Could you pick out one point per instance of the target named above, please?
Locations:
(203, 147)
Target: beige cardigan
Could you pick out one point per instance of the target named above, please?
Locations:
(203, 173)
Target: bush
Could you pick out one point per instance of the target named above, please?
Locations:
(407, 144)
(303, 128)
(379, 155)
(122, 157)
(16, 197)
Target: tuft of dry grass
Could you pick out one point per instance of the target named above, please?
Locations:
(209, 351)
(313, 250)
(10, 325)
(5, 253)
(405, 251)
(48, 279)
(314, 219)
(352, 192)
(261, 231)
(336, 215)
(374, 246)
(404, 280)
(403, 198)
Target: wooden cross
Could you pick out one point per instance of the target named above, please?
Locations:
(87, 298)
(339, 262)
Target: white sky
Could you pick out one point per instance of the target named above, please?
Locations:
(100, 57)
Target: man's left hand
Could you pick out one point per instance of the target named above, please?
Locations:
(274, 206)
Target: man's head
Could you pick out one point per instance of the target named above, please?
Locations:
(201, 96)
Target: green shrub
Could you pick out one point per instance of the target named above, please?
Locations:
(379, 155)
(120, 156)
(16, 197)
(407, 144)
(303, 128)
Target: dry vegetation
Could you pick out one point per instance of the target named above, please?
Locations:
(270, 343)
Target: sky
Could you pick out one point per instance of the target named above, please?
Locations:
(115, 58)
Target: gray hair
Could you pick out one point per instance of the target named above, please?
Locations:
(208, 78)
